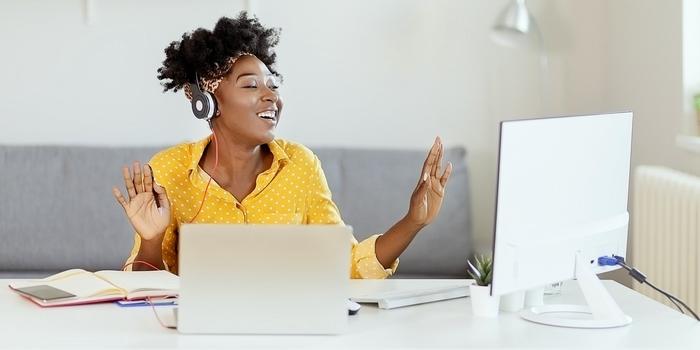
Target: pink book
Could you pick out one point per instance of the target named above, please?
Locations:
(101, 286)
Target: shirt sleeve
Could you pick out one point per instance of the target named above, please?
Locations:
(168, 250)
(320, 209)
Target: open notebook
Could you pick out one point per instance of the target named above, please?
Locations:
(89, 287)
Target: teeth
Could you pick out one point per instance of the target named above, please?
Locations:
(267, 114)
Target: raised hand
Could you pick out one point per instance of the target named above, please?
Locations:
(426, 199)
(148, 208)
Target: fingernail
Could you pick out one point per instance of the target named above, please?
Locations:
(425, 176)
(160, 210)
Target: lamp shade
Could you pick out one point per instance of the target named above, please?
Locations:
(513, 25)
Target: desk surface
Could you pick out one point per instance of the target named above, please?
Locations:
(440, 324)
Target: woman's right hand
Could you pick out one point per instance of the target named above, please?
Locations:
(145, 197)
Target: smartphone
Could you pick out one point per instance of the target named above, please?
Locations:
(45, 292)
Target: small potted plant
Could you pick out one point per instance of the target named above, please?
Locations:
(483, 304)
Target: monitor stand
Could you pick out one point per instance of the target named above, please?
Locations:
(602, 310)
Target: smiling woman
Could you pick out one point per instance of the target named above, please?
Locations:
(242, 173)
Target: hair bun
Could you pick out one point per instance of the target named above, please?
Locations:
(203, 51)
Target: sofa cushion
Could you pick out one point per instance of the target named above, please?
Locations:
(57, 210)
(372, 189)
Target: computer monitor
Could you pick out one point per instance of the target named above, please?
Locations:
(561, 202)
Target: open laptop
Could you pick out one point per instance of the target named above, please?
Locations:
(263, 279)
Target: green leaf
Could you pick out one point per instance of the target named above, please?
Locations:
(487, 279)
(482, 270)
(475, 271)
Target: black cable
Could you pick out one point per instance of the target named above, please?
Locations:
(641, 278)
(670, 297)
(682, 303)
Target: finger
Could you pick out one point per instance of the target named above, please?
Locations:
(429, 160)
(128, 182)
(423, 187)
(446, 175)
(118, 195)
(435, 170)
(147, 178)
(161, 196)
(138, 178)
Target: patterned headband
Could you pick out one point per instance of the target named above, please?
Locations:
(212, 80)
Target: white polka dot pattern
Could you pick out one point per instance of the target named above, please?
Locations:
(293, 191)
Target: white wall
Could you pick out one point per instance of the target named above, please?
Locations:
(69, 82)
(388, 73)
(691, 65)
(645, 75)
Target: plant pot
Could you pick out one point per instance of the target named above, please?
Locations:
(483, 304)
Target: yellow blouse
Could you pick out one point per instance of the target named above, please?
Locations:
(293, 191)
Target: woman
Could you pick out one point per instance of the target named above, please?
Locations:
(242, 173)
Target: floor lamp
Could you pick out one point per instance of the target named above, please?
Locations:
(515, 27)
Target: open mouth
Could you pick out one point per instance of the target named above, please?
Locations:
(269, 115)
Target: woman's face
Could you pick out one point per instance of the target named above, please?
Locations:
(249, 102)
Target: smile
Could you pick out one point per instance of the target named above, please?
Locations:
(270, 115)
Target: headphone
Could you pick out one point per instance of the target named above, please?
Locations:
(203, 102)
(204, 108)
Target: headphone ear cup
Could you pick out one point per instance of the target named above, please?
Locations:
(203, 103)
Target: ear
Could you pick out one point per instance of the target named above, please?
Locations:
(217, 99)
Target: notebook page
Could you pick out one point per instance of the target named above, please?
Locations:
(134, 281)
(79, 282)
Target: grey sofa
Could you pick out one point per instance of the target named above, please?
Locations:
(57, 211)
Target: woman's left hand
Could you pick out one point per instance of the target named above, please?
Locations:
(426, 199)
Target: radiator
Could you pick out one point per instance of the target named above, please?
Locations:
(665, 233)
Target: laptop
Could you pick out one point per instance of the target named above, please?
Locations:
(263, 279)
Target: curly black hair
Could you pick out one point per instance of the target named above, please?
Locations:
(202, 51)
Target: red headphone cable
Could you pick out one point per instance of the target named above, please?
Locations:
(216, 164)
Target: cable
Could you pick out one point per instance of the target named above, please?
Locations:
(201, 205)
(667, 295)
(148, 299)
(686, 307)
(633, 272)
(139, 261)
(153, 307)
(216, 164)
(642, 279)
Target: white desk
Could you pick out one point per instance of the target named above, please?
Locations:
(436, 325)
